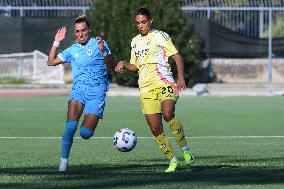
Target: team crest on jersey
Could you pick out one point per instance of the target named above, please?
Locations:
(76, 55)
(89, 52)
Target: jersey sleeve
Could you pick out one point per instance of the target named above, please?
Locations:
(133, 58)
(65, 55)
(106, 48)
(165, 42)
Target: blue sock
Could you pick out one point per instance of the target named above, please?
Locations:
(86, 133)
(67, 137)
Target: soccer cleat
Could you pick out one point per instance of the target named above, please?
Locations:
(188, 158)
(63, 165)
(172, 167)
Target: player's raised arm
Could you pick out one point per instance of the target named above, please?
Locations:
(53, 60)
(105, 54)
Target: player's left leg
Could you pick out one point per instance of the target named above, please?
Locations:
(93, 111)
(89, 125)
(168, 107)
(178, 133)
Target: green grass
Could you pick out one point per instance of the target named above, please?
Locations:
(210, 123)
(14, 80)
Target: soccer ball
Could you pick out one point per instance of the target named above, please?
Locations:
(124, 140)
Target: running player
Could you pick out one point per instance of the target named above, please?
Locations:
(88, 58)
(159, 92)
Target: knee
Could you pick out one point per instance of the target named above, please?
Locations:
(156, 131)
(86, 133)
(168, 116)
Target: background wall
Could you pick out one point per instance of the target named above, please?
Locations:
(29, 34)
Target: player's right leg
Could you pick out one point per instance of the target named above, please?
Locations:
(169, 98)
(74, 112)
(66, 143)
(168, 152)
(155, 123)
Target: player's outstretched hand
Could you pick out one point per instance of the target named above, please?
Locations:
(60, 35)
(101, 42)
(119, 66)
(181, 84)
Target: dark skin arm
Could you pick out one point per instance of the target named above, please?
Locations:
(180, 68)
(123, 65)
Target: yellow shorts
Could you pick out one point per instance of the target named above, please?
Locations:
(151, 100)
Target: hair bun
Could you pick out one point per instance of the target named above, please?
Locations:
(82, 16)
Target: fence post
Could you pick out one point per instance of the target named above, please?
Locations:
(209, 72)
(270, 47)
(261, 23)
(20, 67)
(34, 64)
(21, 12)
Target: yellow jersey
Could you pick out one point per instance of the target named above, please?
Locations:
(150, 54)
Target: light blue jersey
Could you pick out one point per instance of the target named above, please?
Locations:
(88, 65)
(90, 80)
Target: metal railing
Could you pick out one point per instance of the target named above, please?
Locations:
(44, 3)
(233, 3)
(43, 11)
(247, 21)
(257, 22)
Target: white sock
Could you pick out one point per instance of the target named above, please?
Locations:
(64, 160)
(185, 148)
(174, 159)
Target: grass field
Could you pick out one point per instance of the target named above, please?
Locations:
(237, 143)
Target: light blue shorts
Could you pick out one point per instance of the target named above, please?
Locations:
(93, 99)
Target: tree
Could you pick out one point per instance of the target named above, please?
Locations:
(116, 20)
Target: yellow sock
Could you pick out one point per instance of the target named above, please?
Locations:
(177, 131)
(164, 146)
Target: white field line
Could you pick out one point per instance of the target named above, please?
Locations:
(196, 137)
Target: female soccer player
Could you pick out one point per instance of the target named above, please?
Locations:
(88, 58)
(150, 51)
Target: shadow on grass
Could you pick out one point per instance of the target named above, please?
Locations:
(139, 175)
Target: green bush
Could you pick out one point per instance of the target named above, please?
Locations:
(13, 80)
